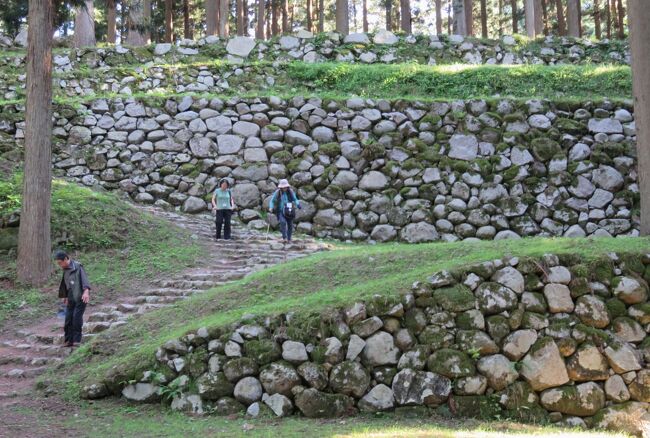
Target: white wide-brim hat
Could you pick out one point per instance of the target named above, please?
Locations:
(283, 184)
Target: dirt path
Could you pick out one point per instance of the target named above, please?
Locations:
(28, 352)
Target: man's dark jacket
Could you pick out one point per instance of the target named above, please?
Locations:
(77, 282)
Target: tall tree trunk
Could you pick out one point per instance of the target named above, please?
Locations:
(124, 31)
(529, 11)
(239, 14)
(500, 18)
(621, 19)
(342, 17)
(211, 16)
(246, 18)
(259, 32)
(638, 19)
(309, 25)
(539, 17)
(365, 16)
(33, 265)
(138, 22)
(187, 25)
(460, 19)
(405, 14)
(224, 18)
(515, 21)
(559, 10)
(321, 15)
(169, 20)
(573, 18)
(484, 26)
(438, 17)
(84, 25)
(597, 25)
(111, 21)
(469, 17)
(354, 15)
(275, 10)
(450, 18)
(389, 15)
(269, 32)
(286, 28)
(545, 17)
(608, 17)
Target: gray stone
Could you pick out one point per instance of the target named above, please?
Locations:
(463, 147)
(294, 352)
(498, 370)
(193, 205)
(373, 181)
(142, 392)
(229, 144)
(248, 390)
(420, 388)
(279, 404)
(419, 232)
(380, 350)
(240, 46)
(517, 344)
(558, 297)
(379, 398)
(543, 367)
(605, 126)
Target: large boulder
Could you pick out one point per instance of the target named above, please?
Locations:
(463, 147)
(518, 343)
(240, 46)
(380, 350)
(379, 398)
(213, 386)
(587, 363)
(451, 363)
(349, 378)
(316, 404)
(543, 366)
(142, 392)
(246, 195)
(373, 181)
(581, 400)
(495, 298)
(558, 297)
(499, 371)
(279, 378)
(419, 232)
(412, 387)
(248, 390)
(630, 417)
(630, 290)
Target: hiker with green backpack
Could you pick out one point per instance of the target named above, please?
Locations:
(284, 203)
(223, 205)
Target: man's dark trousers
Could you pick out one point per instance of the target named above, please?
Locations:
(74, 319)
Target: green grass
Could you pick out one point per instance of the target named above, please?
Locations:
(308, 287)
(464, 81)
(119, 246)
(396, 81)
(116, 419)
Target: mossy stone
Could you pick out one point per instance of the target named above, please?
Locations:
(197, 362)
(485, 407)
(616, 307)
(498, 327)
(451, 363)
(544, 148)
(457, 298)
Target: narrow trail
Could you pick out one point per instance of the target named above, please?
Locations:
(28, 352)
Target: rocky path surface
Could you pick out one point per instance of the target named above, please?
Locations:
(27, 353)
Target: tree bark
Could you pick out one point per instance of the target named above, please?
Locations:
(449, 17)
(529, 11)
(259, 31)
(275, 11)
(137, 23)
(539, 17)
(597, 20)
(638, 19)
(515, 23)
(187, 25)
(460, 19)
(469, 17)
(545, 16)
(269, 32)
(405, 14)
(33, 265)
(239, 14)
(501, 18)
(438, 17)
(342, 17)
(169, 20)
(321, 16)
(621, 19)
(559, 10)
(389, 15)
(224, 15)
(484, 26)
(309, 25)
(286, 28)
(111, 22)
(84, 25)
(365, 15)
(608, 17)
(211, 16)
(573, 18)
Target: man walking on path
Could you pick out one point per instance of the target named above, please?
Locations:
(75, 291)
(284, 203)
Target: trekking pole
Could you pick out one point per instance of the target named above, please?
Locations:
(268, 227)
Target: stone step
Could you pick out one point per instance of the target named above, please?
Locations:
(28, 360)
(105, 316)
(153, 299)
(22, 373)
(170, 292)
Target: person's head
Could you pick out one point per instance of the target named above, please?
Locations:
(62, 259)
(224, 184)
(283, 185)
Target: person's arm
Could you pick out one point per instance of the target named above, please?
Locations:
(272, 202)
(232, 201)
(85, 285)
(295, 198)
(214, 202)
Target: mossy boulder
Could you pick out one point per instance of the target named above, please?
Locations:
(457, 298)
(484, 407)
(197, 362)
(581, 400)
(263, 351)
(544, 148)
(451, 363)
(213, 386)
(240, 367)
(316, 404)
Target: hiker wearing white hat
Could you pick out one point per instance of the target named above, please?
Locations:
(284, 203)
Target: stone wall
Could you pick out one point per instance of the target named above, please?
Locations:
(368, 169)
(555, 338)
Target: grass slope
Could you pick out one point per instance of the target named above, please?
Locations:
(118, 244)
(307, 287)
